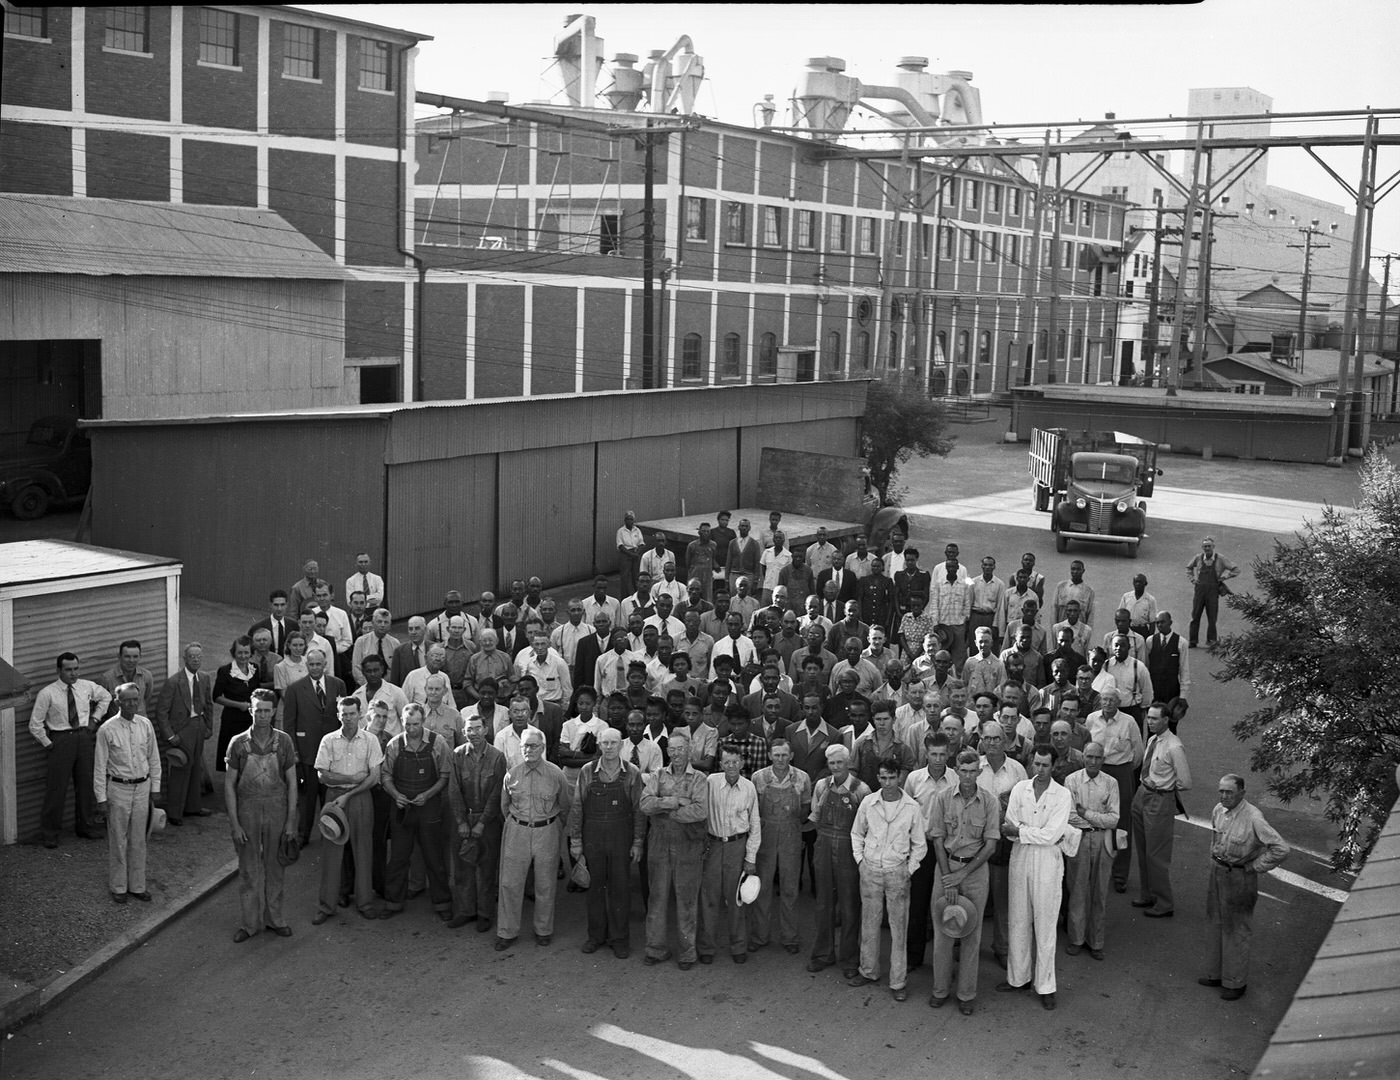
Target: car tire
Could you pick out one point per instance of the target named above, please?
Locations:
(31, 502)
(1133, 550)
(1061, 543)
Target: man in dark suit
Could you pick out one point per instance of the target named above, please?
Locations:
(589, 649)
(791, 712)
(276, 622)
(546, 715)
(308, 715)
(412, 654)
(185, 718)
(510, 636)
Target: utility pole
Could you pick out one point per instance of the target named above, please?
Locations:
(1380, 336)
(1307, 249)
(885, 321)
(1356, 290)
(1053, 323)
(649, 372)
(1202, 320)
(1149, 343)
(1032, 262)
(1179, 302)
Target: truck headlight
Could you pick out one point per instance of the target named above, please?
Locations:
(1080, 503)
(1122, 507)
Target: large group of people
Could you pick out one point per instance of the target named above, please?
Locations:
(914, 746)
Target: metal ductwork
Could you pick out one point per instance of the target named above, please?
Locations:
(627, 85)
(579, 52)
(826, 96)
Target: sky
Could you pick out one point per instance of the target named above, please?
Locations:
(1034, 64)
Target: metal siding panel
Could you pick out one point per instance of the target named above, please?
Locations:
(544, 497)
(648, 492)
(821, 436)
(438, 541)
(89, 622)
(311, 488)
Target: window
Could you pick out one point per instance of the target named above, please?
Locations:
(768, 355)
(1086, 212)
(831, 351)
(1249, 388)
(899, 232)
(691, 347)
(1047, 247)
(867, 236)
(989, 247)
(374, 65)
(838, 232)
(736, 223)
(926, 240)
(1156, 195)
(994, 198)
(610, 234)
(984, 347)
(946, 242)
(27, 21)
(1128, 289)
(1011, 248)
(772, 226)
(1061, 340)
(1069, 211)
(733, 357)
(127, 29)
(972, 195)
(806, 229)
(218, 37)
(695, 218)
(1067, 262)
(1077, 351)
(968, 245)
(950, 191)
(1042, 350)
(301, 51)
(1015, 200)
(863, 350)
(940, 348)
(962, 346)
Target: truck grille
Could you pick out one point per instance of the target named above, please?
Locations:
(1100, 515)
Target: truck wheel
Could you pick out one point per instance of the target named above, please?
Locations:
(1061, 542)
(32, 502)
(1133, 550)
(1041, 494)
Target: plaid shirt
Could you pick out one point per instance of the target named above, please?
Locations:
(753, 748)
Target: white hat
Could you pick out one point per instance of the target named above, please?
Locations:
(157, 819)
(747, 892)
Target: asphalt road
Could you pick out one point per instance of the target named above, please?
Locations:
(409, 998)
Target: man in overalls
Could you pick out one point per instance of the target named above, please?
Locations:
(676, 799)
(1207, 571)
(416, 768)
(784, 802)
(834, 804)
(607, 828)
(260, 793)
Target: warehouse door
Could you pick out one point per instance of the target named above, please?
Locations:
(47, 378)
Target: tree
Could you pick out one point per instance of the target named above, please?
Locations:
(900, 420)
(1321, 651)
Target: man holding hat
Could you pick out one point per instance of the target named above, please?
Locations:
(784, 798)
(964, 829)
(260, 793)
(835, 801)
(606, 829)
(125, 781)
(474, 793)
(1096, 813)
(735, 837)
(347, 763)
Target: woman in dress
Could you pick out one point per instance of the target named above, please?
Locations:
(291, 668)
(233, 690)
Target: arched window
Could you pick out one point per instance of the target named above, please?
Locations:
(1042, 350)
(691, 347)
(863, 349)
(962, 346)
(733, 357)
(984, 347)
(831, 351)
(941, 352)
(1061, 339)
(940, 382)
(1078, 351)
(768, 354)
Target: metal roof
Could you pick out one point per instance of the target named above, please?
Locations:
(27, 562)
(1321, 369)
(56, 234)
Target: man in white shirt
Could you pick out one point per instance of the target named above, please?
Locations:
(735, 835)
(772, 563)
(373, 688)
(655, 558)
(665, 623)
(821, 555)
(601, 601)
(567, 635)
(550, 672)
(734, 644)
(629, 549)
(924, 785)
(1000, 773)
(888, 844)
(362, 580)
(347, 763)
(378, 642)
(66, 712)
(1095, 814)
(1037, 815)
(337, 620)
(508, 739)
(640, 750)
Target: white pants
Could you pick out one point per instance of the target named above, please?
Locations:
(1033, 894)
(128, 810)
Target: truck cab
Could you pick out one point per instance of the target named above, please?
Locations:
(1095, 486)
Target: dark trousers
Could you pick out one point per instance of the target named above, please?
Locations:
(184, 788)
(1206, 600)
(231, 722)
(1127, 785)
(920, 898)
(838, 890)
(379, 843)
(69, 757)
(475, 891)
(607, 850)
(417, 827)
(309, 790)
(720, 912)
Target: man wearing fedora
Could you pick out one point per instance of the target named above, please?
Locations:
(125, 780)
(963, 828)
(260, 792)
(347, 762)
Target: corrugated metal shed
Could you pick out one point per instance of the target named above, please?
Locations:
(54, 234)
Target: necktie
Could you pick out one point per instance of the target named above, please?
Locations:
(72, 709)
(1147, 758)
(320, 696)
(831, 611)
(381, 652)
(636, 757)
(364, 585)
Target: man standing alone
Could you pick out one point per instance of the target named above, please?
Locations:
(1208, 572)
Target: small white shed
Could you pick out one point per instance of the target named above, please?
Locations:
(57, 596)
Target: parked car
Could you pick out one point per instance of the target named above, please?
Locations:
(53, 468)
